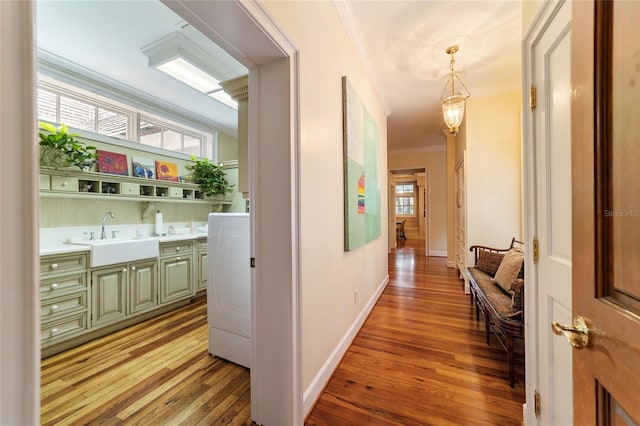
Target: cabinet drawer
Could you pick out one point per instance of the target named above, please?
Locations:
(50, 265)
(175, 248)
(55, 287)
(64, 183)
(45, 182)
(202, 244)
(175, 192)
(65, 327)
(130, 188)
(61, 306)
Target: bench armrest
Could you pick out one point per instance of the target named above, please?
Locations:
(476, 248)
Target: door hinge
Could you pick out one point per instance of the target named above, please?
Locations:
(253, 262)
(532, 98)
(536, 250)
(536, 403)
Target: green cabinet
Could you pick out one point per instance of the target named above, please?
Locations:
(108, 288)
(176, 270)
(143, 286)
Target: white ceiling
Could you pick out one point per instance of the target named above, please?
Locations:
(403, 42)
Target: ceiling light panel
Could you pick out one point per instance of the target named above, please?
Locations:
(184, 71)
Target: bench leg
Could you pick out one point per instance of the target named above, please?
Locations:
(510, 359)
(487, 328)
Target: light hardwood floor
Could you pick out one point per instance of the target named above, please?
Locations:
(420, 359)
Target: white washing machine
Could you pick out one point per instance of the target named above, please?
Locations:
(229, 287)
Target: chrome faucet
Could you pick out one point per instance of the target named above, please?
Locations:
(103, 235)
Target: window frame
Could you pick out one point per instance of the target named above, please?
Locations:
(407, 195)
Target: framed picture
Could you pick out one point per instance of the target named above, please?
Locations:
(362, 204)
(167, 171)
(112, 162)
(143, 167)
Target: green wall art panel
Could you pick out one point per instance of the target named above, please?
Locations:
(362, 214)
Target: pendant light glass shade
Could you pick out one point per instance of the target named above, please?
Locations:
(453, 112)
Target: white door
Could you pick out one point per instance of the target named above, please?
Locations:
(548, 154)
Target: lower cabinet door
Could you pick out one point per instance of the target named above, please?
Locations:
(108, 295)
(143, 284)
(202, 279)
(176, 278)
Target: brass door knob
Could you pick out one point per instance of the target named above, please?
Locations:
(577, 334)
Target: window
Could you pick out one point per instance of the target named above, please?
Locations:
(93, 113)
(160, 135)
(405, 199)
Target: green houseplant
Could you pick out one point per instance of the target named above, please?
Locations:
(59, 148)
(210, 176)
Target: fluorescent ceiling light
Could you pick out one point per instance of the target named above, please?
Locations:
(224, 97)
(189, 74)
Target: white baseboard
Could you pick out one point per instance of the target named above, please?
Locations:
(451, 264)
(438, 253)
(317, 385)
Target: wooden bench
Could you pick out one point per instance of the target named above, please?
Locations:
(503, 312)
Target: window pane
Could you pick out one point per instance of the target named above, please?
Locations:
(112, 124)
(172, 140)
(47, 107)
(150, 134)
(77, 114)
(191, 145)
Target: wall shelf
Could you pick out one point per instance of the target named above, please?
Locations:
(95, 185)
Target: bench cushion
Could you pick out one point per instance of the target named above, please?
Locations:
(500, 301)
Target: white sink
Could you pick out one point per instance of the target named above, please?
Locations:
(121, 250)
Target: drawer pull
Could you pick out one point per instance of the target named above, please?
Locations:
(177, 248)
(54, 307)
(65, 183)
(54, 331)
(54, 286)
(177, 259)
(124, 269)
(133, 268)
(54, 266)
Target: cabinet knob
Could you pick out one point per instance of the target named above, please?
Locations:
(54, 286)
(178, 258)
(133, 268)
(54, 266)
(54, 307)
(177, 248)
(124, 269)
(65, 183)
(54, 331)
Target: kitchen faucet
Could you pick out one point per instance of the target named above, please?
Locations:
(103, 235)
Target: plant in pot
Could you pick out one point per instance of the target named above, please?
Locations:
(59, 148)
(210, 176)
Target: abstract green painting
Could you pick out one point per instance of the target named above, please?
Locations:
(362, 214)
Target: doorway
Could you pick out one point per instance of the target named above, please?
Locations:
(409, 205)
(274, 185)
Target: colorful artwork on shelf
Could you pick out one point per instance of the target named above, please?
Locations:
(143, 167)
(167, 171)
(362, 199)
(112, 162)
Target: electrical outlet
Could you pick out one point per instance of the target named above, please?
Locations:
(355, 296)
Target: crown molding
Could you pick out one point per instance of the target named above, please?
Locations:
(421, 150)
(353, 30)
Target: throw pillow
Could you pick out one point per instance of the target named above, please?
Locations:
(509, 268)
(488, 262)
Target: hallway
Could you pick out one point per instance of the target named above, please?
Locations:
(421, 358)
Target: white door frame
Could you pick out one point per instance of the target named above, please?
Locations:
(532, 363)
(276, 379)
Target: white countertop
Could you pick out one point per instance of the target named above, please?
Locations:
(52, 240)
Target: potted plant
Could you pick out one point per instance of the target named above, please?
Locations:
(210, 176)
(59, 148)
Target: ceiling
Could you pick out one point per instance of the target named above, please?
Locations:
(403, 43)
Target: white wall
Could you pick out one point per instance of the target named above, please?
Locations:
(436, 165)
(329, 274)
(493, 167)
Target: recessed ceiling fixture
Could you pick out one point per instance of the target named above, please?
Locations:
(179, 57)
(453, 105)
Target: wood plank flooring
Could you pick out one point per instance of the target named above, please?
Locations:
(155, 373)
(420, 358)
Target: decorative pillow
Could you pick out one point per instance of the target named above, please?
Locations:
(488, 262)
(509, 269)
(517, 299)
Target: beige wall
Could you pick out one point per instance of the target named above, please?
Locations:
(329, 274)
(529, 10)
(227, 147)
(451, 207)
(493, 169)
(436, 166)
